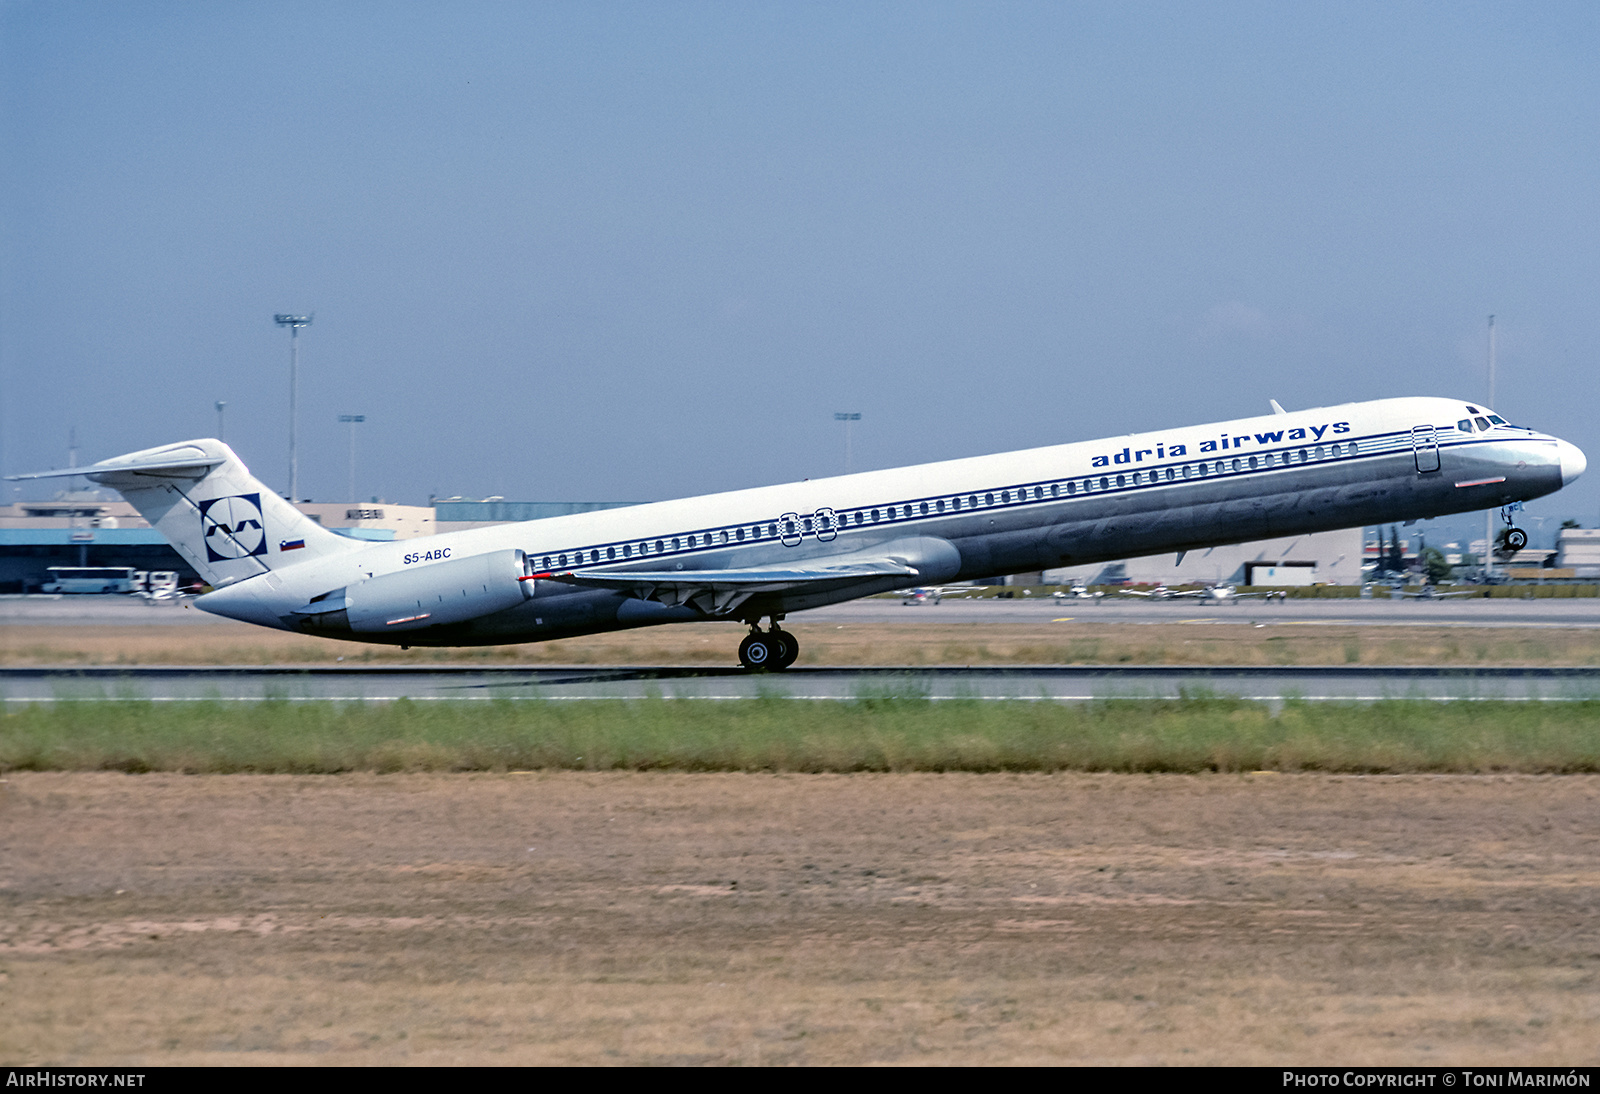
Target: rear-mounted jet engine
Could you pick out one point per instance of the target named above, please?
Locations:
(437, 595)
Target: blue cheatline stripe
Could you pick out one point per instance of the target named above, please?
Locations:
(1020, 495)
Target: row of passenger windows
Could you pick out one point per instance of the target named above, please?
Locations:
(1207, 468)
(827, 521)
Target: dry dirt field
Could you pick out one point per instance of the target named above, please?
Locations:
(651, 918)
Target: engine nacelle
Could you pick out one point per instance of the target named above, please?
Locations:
(429, 596)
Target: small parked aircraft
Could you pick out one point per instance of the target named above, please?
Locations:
(1431, 592)
(1159, 592)
(1217, 594)
(1230, 594)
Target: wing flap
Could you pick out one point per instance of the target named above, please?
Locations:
(753, 580)
(722, 592)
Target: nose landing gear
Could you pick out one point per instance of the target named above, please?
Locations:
(768, 651)
(1513, 539)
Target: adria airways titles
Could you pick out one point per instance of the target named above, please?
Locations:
(750, 555)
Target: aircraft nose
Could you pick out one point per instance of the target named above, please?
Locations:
(1573, 461)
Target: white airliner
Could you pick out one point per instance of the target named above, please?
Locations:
(760, 554)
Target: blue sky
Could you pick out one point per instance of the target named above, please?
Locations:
(635, 251)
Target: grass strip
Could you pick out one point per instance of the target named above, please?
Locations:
(872, 733)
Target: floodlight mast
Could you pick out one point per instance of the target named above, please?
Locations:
(846, 417)
(352, 419)
(294, 323)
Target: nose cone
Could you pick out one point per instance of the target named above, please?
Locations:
(1572, 460)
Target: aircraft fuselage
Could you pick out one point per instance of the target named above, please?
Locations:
(1065, 505)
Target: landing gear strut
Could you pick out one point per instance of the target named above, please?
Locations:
(1515, 538)
(772, 650)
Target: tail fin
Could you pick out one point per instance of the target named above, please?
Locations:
(203, 499)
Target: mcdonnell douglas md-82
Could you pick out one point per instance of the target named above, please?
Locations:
(750, 555)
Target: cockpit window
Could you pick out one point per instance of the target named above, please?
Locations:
(1483, 423)
(1496, 419)
(1465, 425)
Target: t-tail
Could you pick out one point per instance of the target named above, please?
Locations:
(204, 500)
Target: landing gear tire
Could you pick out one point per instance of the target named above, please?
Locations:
(759, 653)
(1516, 540)
(768, 651)
(789, 646)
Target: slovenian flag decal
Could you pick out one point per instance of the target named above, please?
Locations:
(291, 544)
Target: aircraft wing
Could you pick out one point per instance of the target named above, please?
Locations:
(718, 592)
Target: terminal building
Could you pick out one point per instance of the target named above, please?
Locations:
(459, 514)
(1323, 558)
(1578, 550)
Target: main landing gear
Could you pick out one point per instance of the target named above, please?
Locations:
(772, 650)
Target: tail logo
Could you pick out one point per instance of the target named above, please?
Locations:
(232, 527)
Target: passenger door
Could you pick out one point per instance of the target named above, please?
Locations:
(1425, 446)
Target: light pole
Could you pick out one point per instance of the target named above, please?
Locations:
(352, 419)
(294, 323)
(846, 418)
(220, 431)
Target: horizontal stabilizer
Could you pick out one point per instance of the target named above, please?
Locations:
(185, 461)
(222, 520)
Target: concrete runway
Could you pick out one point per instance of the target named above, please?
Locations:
(1459, 612)
(1058, 683)
(1346, 682)
(1462, 612)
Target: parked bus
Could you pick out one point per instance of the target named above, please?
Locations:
(92, 579)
